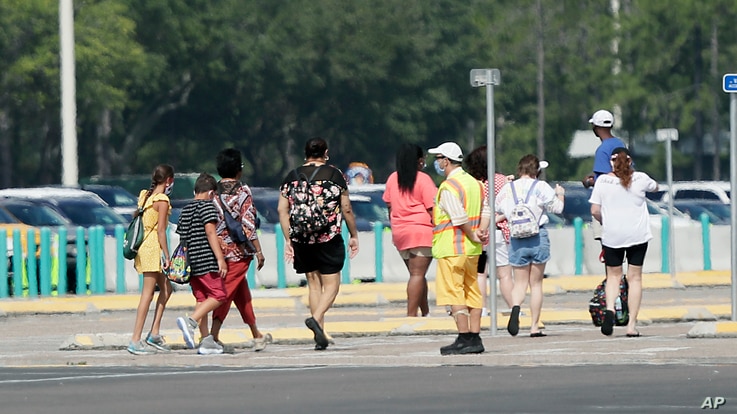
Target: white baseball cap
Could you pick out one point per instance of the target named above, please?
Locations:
(450, 150)
(602, 118)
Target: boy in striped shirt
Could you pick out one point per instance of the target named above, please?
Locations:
(206, 260)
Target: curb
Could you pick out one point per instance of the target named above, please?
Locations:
(722, 329)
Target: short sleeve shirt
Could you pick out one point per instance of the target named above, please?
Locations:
(625, 219)
(411, 223)
(604, 154)
(328, 185)
(237, 198)
(191, 230)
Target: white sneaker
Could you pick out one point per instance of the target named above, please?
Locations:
(208, 346)
(187, 325)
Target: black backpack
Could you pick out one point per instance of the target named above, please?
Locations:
(306, 215)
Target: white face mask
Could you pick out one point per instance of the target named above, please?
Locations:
(169, 188)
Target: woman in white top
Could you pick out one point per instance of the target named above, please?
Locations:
(529, 255)
(618, 203)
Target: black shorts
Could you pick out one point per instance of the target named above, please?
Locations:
(326, 258)
(635, 255)
(481, 268)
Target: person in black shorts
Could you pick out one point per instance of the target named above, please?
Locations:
(618, 203)
(313, 234)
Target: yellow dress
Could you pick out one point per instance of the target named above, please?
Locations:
(149, 254)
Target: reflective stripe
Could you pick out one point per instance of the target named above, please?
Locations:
(449, 240)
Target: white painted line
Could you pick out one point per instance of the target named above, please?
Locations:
(160, 374)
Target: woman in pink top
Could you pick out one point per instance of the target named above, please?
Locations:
(410, 196)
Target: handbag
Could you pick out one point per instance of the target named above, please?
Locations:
(179, 270)
(134, 236)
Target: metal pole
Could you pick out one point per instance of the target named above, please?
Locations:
(733, 204)
(69, 168)
(671, 234)
(490, 171)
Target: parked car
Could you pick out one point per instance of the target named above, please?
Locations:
(378, 211)
(702, 190)
(117, 197)
(10, 224)
(718, 212)
(368, 212)
(38, 214)
(81, 208)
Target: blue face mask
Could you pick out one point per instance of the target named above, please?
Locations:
(440, 171)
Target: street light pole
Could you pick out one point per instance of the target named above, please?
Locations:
(69, 168)
(489, 78)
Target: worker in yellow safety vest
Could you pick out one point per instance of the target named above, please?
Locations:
(461, 220)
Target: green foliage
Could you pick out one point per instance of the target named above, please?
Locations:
(177, 80)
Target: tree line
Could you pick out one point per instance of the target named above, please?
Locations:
(175, 81)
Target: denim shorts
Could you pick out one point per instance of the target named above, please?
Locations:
(530, 250)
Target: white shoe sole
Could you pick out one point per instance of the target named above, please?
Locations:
(208, 351)
(186, 335)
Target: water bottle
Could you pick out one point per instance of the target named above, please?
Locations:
(619, 314)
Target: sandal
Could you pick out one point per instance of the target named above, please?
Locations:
(633, 335)
(537, 335)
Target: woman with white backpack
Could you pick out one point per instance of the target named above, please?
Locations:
(524, 203)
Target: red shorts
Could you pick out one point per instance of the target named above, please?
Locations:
(209, 285)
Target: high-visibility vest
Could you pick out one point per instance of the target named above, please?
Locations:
(448, 240)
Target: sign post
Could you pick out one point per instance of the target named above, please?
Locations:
(729, 85)
(489, 78)
(668, 135)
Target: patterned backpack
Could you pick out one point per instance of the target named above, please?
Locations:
(306, 215)
(523, 222)
(597, 305)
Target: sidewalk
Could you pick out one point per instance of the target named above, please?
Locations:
(375, 309)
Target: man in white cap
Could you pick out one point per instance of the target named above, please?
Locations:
(602, 122)
(457, 235)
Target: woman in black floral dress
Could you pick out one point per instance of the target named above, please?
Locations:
(313, 204)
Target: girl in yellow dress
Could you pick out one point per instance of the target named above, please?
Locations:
(153, 259)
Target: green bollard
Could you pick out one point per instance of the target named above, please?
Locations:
(4, 290)
(61, 286)
(251, 273)
(17, 264)
(31, 264)
(345, 276)
(578, 244)
(93, 259)
(706, 240)
(44, 270)
(81, 263)
(379, 256)
(664, 244)
(101, 259)
(281, 274)
(119, 259)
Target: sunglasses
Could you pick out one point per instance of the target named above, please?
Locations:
(440, 157)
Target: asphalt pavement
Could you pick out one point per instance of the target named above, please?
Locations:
(682, 319)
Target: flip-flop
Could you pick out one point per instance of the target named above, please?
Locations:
(513, 324)
(537, 335)
(633, 335)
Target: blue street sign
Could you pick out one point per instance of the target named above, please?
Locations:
(729, 83)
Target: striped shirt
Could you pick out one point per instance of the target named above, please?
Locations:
(191, 230)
